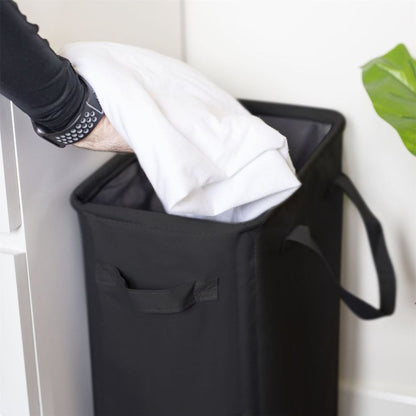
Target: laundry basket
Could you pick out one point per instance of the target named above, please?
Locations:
(192, 317)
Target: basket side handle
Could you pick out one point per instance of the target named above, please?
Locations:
(169, 300)
(385, 273)
(175, 299)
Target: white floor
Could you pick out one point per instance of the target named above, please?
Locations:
(357, 402)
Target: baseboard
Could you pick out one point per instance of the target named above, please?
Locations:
(359, 402)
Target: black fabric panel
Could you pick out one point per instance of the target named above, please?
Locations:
(299, 314)
(165, 364)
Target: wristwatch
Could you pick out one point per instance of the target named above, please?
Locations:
(87, 117)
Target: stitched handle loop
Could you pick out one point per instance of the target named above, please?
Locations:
(385, 273)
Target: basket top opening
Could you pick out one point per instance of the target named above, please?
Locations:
(130, 187)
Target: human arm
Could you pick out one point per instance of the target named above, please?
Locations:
(43, 84)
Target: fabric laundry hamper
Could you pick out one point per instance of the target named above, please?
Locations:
(191, 317)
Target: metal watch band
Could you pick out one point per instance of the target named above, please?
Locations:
(81, 126)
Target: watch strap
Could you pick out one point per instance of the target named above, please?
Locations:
(87, 118)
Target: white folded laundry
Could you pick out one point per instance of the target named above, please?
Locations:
(205, 155)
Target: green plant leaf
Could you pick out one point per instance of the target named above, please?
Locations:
(390, 81)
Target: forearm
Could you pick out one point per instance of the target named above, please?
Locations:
(41, 83)
(105, 138)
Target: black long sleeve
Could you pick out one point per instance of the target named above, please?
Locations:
(41, 83)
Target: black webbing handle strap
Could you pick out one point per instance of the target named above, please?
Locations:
(170, 300)
(175, 299)
(385, 272)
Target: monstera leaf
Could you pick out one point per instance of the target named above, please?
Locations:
(390, 81)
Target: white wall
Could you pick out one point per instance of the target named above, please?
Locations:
(309, 52)
(151, 24)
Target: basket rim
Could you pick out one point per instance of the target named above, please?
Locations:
(158, 220)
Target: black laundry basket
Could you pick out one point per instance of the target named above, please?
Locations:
(191, 317)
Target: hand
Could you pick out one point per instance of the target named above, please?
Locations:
(104, 137)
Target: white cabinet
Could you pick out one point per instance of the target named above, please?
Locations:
(9, 191)
(19, 394)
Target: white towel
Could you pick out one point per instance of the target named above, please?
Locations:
(205, 155)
